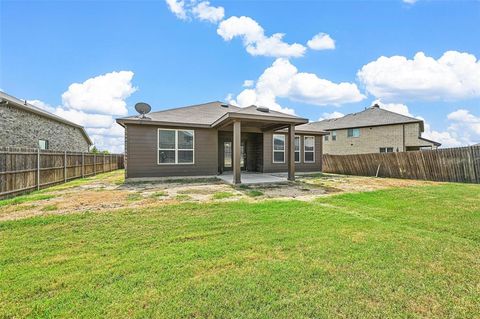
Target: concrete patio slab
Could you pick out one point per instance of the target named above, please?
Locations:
(254, 178)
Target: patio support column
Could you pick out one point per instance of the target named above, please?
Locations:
(236, 151)
(291, 153)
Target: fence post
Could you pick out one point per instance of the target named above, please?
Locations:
(65, 167)
(475, 173)
(83, 164)
(94, 164)
(38, 168)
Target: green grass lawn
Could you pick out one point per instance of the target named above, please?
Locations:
(411, 252)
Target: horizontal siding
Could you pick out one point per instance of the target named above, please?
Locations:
(142, 154)
(270, 167)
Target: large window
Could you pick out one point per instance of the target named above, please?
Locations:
(309, 149)
(43, 144)
(297, 149)
(353, 132)
(386, 149)
(278, 148)
(175, 146)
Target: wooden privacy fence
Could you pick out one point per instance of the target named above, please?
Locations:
(24, 169)
(460, 164)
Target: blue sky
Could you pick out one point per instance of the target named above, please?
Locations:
(198, 54)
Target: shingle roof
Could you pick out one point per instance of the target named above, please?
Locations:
(32, 108)
(204, 114)
(372, 116)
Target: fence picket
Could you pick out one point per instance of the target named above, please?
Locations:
(461, 164)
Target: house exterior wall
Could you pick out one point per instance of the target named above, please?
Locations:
(19, 128)
(270, 167)
(371, 139)
(141, 153)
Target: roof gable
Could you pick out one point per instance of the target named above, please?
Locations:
(205, 114)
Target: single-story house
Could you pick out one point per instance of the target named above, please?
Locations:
(373, 130)
(25, 125)
(216, 138)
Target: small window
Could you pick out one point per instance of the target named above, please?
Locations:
(278, 148)
(175, 146)
(353, 132)
(386, 149)
(334, 135)
(297, 149)
(326, 138)
(43, 144)
(309, 149)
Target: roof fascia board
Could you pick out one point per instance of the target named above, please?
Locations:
(160, 123)
(375, 125)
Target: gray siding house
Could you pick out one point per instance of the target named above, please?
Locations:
(25, 125)
(215, 138)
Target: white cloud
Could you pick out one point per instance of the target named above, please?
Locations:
(104, 94)
(248, 83)
(255, 40)
(178, 8)
(333, 115)
(94, 104)
(453, 76)
(282, 80)
(85, 119)
(321, 41)
(410, 1)
(467, 123)
(203, 11)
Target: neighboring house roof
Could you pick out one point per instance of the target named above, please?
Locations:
(430, 141)
(210, 114)
(372, 116)
(23, 105)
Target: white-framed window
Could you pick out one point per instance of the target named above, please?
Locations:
(297, 149)
(278, 148)
(43, 144)
(175, 146)
(334, 135)
(309, 149)
(353, 132)
(386, 149)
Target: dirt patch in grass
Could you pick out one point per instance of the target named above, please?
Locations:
(106, 192)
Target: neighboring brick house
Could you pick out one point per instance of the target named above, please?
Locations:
(25, 125)
(373, 130)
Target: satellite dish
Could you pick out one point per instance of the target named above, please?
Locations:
(142, 109)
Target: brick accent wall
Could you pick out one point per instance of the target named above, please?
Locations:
(373, 138)
(20, 128)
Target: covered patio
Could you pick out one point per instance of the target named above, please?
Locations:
(260, 121)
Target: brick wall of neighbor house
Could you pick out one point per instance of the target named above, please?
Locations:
(270, 167)
(141, 149)
(372, 138)
(19, 128)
